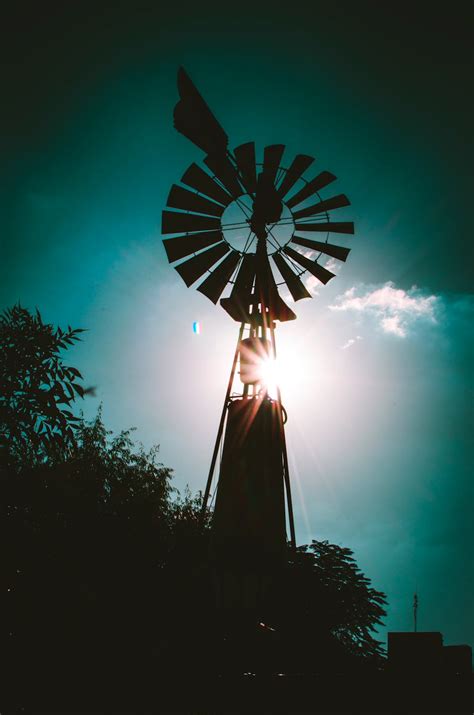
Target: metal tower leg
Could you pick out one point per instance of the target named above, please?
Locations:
(285, 454)
(221, 425)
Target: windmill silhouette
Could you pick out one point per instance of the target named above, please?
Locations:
(235, 224)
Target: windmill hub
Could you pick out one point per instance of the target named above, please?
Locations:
(267, 206)
(240, 233)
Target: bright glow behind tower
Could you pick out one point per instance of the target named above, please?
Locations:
(270, 376)
(285, 372)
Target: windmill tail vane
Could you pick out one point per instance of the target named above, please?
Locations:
(246, 228)
(194, 119)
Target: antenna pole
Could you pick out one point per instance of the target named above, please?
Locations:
(221, 426)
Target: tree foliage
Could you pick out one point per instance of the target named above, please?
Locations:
(89, 538)
(108, 569)
(36, 387)
(327, 592)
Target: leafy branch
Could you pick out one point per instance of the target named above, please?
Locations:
(37, 389)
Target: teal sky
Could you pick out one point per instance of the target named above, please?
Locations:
(381, 405)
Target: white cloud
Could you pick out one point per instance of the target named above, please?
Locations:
(332, 265)
(310, 283)
(393, 325)
(394, 308)
(351, 341)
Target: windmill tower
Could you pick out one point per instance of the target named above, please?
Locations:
(249, 229)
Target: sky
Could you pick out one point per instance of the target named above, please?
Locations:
(380, 403)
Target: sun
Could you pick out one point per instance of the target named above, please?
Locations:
(270, 370)
(284, 373)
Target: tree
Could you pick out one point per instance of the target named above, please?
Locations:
(89, 539)
(36, 387)
(325, 597)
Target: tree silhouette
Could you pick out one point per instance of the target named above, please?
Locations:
(324, 598)
(36, 387)
(89, 538)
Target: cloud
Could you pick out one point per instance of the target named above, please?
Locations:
(351, 341)
(332, 265)
(310, 283)
(395, 309)
(394, 325)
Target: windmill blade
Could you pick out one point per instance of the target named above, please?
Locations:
(205, 184)
(213, 285)
(312, 187)
(271, 159)
(299, 165)
(336, 202)
(294, 283)
(245, 158)
(238, 303)
(266, 289)
(321, 273)
(333, 227)
(185, 200)
(195, 267)
(183, 246)
(225, 172)
(283, 311)
(194, 119)
(174, 222)
(328, 248)
(244, 282)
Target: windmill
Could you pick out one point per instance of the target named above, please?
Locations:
(248, 230)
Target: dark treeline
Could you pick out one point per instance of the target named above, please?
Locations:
(107, 584)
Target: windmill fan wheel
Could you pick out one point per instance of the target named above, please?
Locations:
(220, 214)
